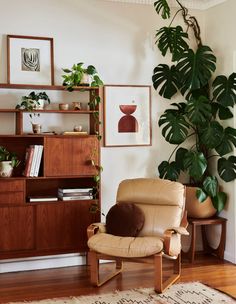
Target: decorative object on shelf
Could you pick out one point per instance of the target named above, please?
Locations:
(76, 105)
(36, 128)
(127, 115)
(8, 161)
(78, 128)
(30, 60)
(204, 103)
(63, 106)
(34, 101)
(78, 75)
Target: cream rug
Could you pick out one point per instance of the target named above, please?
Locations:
(187, 293)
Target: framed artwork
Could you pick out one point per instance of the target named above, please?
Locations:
(30, 60)
(127, 115)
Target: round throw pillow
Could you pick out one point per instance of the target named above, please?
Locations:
(124, 219)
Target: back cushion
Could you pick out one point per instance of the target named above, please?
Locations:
(162, 202)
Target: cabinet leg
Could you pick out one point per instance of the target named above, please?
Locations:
(193, 244)
(221, 248)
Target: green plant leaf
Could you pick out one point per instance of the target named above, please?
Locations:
(201, 195)
(224, 90)
(210, 185)
(199, 110)
(195, 69)
(175, 128)
(212, 135)
(228, 141)
(172, 39)
(169, 170)
(195, 163)
(162, 7)
(91, 70)
(219, 201)
(179, 157)
(66, 70)
(223, 112)
(227, 168)
(167, 78)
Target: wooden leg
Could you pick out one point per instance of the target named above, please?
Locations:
(119, 264)
(221, 248)
(193, 244)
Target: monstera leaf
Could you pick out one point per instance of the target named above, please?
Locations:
(227, 168)
(212, 135)
(195, 69)
(179, 157)
(195, 163)
(228, 141)
(199, 110)
(168, 78)
(219, 201)
(163, 7)
(210, 185)
(223, 112)
(169, 170)
(225, 90)
(175, 128)
(172, 39)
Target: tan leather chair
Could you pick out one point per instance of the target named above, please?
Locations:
(162, 202)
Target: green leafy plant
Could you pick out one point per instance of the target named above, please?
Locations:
(196, 119)
(5, 155)
(74, 77)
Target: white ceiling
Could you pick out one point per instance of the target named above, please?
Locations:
(195, 4)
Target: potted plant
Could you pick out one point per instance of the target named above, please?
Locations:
(197, 121)
(8, 161)
(34, 101)
(79, 75)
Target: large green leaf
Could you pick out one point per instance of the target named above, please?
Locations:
(169, 170)
(225, 90)
(172, 39)
(195, 163)
(195, 69)
(201, 195)
(179, 157)
(212, 135)
(228, 141)
(223, 112)
(210, 185)
(168, 78)
(199, 110)
(219, 201)
(227, 168)
(163, 7)
(175, 128)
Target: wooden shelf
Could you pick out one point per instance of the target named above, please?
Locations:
(48, 111)
(44, 87)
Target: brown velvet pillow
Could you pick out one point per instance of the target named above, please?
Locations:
(124, 219)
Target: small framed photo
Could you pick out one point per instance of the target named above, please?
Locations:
(127, 115)
(30, 60)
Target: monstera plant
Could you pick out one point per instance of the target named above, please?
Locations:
(197, 120)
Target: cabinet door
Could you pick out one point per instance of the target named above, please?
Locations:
(17, 228)
(63, 226)
(70, 156)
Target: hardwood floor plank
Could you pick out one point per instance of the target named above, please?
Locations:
(74, 281)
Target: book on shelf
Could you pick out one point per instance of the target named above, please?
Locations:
(38, 160)
(28, 160)
(75, 133)
(75, 193)
(43, 198)
(74, 190)
(76, 197)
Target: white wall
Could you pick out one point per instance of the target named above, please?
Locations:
(220, 32)
(118, 38)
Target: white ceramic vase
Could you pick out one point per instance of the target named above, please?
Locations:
(6, 169)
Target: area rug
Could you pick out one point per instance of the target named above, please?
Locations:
(186, 293)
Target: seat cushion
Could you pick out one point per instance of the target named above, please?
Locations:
(125, 246)
(124, 220)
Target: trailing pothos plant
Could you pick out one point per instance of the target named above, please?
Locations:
(205, 102)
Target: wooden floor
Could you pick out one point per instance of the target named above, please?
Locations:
(74, 281)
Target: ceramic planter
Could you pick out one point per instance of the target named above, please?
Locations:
(6, 169)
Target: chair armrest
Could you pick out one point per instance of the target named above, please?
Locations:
(168, 235)
(96, 228)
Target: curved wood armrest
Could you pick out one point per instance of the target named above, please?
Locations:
(95, 228)
(168, 234)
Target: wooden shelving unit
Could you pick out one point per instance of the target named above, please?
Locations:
(44, 228)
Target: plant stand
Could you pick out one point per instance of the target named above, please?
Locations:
(219, 251)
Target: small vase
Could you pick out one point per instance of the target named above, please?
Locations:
(36, 128)
(40, 104)
(86, 79)
(6, 169)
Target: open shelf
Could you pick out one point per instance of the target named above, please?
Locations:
(44, 87)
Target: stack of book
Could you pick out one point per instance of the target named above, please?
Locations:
(75, 194)
(33, 157)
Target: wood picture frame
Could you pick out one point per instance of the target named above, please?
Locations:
(127, 115)
(30, 60)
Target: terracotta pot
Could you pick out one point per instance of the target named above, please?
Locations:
(6, 169)
(196, 209)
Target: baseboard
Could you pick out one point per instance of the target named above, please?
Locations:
(229, 257)
(45, 262)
